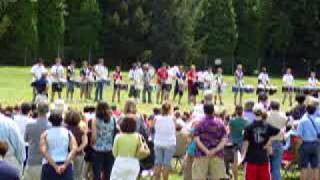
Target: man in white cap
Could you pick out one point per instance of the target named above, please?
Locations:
(255, 149)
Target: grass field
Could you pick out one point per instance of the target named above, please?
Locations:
(15, 88)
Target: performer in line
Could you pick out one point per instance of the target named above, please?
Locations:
(263, 78)
(84, 73)
(147, 86)
(288, 82)
(71, 80)
(117, 81)
(208, 79)
(192, 85)
(239, 82)
(101, 74)
(219, 83)
(313, 82)
(162, 76)
(180, 84)
(135, 76)
(57, 75)
(37, 71)
(167, 86)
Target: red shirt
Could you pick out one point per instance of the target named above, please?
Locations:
(162, 74)
(117, 76)
(191, 76)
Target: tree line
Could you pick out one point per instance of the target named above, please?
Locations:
(276, 33)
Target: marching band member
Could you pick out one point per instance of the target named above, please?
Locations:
(168, 82)
(238, 76)
(180, 84)
(192, 84)
(219, 83)
(208, 79)
(84, 72)
(147, 86)
(263, 78)
(313, 82)
(37, 71)
(101, 73)
(117, 80)
(71, 79)
(288, 82)
(135, 75)
(162, 75)
(57, 74)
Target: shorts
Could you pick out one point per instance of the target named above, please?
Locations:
(117, 87)
(178, 90)
(56, 87)
(70, 86)
(166, 87)
(204, 167)
(164, 155)
(309, 155)
(257, 171)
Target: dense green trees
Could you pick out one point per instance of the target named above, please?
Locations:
(254, 32)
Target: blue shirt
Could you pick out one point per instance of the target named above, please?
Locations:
(306, 131)
(105, 135)
(9, 132)
(8, 172)
(249, 116)
(58, 143)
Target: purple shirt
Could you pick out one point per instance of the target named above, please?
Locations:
(211, 131)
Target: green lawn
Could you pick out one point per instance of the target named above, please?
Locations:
(15, 88)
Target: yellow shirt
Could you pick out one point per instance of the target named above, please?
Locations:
(125, 145)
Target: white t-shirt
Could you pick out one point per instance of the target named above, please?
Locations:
(264, 78)
(136, 75)
(208, 79)
(101, 72)
(37, 70)
(22, 122)
(57, 72)
(288, 80)
(313, 82)
(165, 131)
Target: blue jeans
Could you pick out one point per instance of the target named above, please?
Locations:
(102, 162)
(276, 159)
(99, 90)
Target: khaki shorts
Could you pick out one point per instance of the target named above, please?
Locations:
(212, 167)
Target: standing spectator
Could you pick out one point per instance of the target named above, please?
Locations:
(237, 126)
(308, 131)
(126, 166)
(117, 80)
(7, 171)
(279, 120)
(9, 132)
(210, 136)
(58, 146)
(104, 129)
(37, 71)
(57, 75)
(71, 79)
(130, 108)
(257, 136)
(300, 109)
(23, 118)
(248, 112)
(101, 73)
(32, 136)
(72, 120)
(164, 142)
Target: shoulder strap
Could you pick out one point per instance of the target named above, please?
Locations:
(313, 124)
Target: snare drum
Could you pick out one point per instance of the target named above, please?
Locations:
(272, 90)
(124, 87)
(248, 89)
(167, 87)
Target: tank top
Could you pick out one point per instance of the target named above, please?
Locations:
(105, 135)
(58, 143)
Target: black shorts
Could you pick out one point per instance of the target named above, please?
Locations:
(116, 86)
(57, 87)
(166, 87)
(194, 89)
(178, 90)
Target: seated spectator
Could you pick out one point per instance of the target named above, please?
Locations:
(58, 147)
(7, 171)
(210, 135)
(248, 112)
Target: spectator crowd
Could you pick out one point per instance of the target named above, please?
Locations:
(55, 142)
